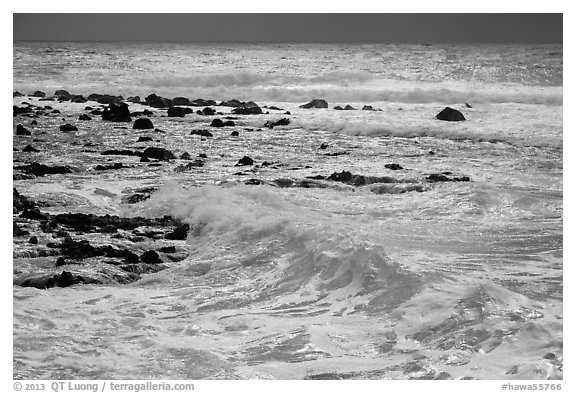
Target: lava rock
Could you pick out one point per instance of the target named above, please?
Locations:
(234, 133)
(393, 167)
(323, 146)
(21, 130)
(158, 102)
(30, 149)
(68, 127)
(122, 152)
(450, 114)
(220, 123)
(105, 99)
(142, 124)
(117, 165)
(208, 111)
(144, 139)
(33, 240)
(317, 103)
(282, 122)
(151, 257)
(233, 102)
(37, 169)
(247, 108)
(441, 177)
(62, 95)
(186, 167)
(60, 262)
(39, 93)
(33, 214)
(176, 111)
(245, 161)
(84, 116)
(159, 153)
(17, 231)
(117, 112)
(135, 99)
(179, 233)
(181, 101)
(185, 156)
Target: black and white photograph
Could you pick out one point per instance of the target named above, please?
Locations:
(287, 196)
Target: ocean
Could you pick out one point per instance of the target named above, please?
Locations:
(374, 243)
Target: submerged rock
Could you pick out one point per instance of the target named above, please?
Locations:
(450, 114)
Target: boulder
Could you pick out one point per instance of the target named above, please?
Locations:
(234, 133)
(21, 110)
(117, 112)
(220, 123)
(234, 103)
(37, 169)
(142, 124)
(29, 149)
(247, 108)
(159, 153)
(150, 256)
(20, 130)
(84, 116)
(208, 111)
(105, 99)
(282, 122)
(117, 165)
(144, 139)
(68, 127)
(179, 233)
(317, 103)
(323, 146)
(39, 93)
(450, 114)
(135, 99)
(158, 102)
(77, 98)
(17, 94)
(17, 231)
(201, 102)
(188, 166)
(245, 161)
(393, 167)
(181, 101)
(176, 111)
(62, 95)
(349, 108)
(205, 133)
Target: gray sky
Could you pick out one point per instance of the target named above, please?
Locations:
(345, 28)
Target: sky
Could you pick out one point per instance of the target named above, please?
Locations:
(341, 27)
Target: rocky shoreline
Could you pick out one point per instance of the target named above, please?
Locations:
(125, 249)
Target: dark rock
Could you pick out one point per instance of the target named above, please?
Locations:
(368, 108)
(62, 95)
(202, 155)
(135, 99)
(233, 102)
(84, 116)
(158, 102)
(144, 159)
(33, 214)
(349, 108)
(394, 167)
(181, 101)
(60, 262)
(336, 153)
(144, 139)
(29, 149)
(245, 161)
(323, 146)
(338, 108)
(105, 99)
(185, 156)
(247, 108)
(55, 111)
(467, 105)
(33, 240)
(143, 124)
(208, 111)
(17, 94)
(17, 231)
(234, 133)
(123, 152)
(21, 110)
(220, 123)
(450, 114)
(46, 99)
(201, 102)
(20, 202)
(150, 257)
(39, 93)
(65, 279)
(441, 177)
(282, 122)
(34, 123)
(179, 233)
(176, 111)
(189, 165)
(315, 104)
(135, 198)
(117, 112)
(168, 250)
(37, 169)
(77, 99)
(159, 153)
(117, 165)
(20, 130)
(68, 127)
(97, 112)
(343, 176)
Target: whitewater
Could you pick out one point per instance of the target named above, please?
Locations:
(288, 272)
